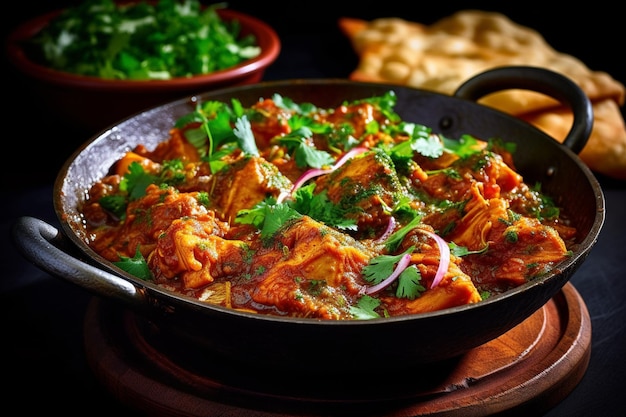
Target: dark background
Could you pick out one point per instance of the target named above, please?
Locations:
(41, 351)
(313, 46)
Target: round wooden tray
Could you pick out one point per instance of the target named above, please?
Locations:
(526, 371)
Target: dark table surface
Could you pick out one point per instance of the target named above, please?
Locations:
(43, 360)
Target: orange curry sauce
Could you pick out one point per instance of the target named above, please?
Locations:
(189, 234)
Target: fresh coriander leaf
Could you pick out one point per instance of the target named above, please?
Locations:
(464, 147)
(136, 266)
(341, 137)
(385, 103)
(136, 181)
(409, 285)
(380, 267)
(308, 156)
(115, 204)
(199, 139)
(221, 130)
(320, 208)
(143, 40)
(277, 216)
(298, 121)
(255, 215)
(212, 108)
(216, 160)
(415, 130)
(246, 141)
(203, 198)
(288, 104)
(421, 140)
(238, 109)
(172, 172)
(430, 147)
(372, 127)
(267, 216)
(396, 238)
(305, 154)
(365, 308)
(457, 250)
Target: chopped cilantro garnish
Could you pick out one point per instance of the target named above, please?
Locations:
(288, 104)
(365, 308)
(245, 137)
(135, 266)
(215, 135)
(143, 40)
(409, 285)
(380, 267)
(382, 270)
(385, 103)
(172, 172)
(305, 153)
(135, 182)
(267, 216)
(203, 198)
(457, 250)
(115, 204)
(396, 238)
(420, 140)
(464, 147)
(320, 208)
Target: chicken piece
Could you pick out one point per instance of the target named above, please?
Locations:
(517, 253)
(245, 183)
(367, 187)
(490, 169)
(311, 270)
(188, 250)
(357, 115)
(175, 147)
(269, 121)
(455, 289)
(474, 228)
(519, 248)
(485, 168)
(148, 216)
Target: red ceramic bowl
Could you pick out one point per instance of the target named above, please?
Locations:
(94, 103)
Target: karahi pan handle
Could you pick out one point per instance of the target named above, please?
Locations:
(42, 244)
(540, 80)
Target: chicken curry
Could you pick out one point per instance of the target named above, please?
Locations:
(342, 213)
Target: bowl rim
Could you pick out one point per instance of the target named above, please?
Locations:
(266, 37)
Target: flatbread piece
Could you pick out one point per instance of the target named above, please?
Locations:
(441, 56)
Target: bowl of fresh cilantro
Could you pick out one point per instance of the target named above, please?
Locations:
(100, 61)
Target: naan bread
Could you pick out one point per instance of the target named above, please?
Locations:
(605, 151)
(441, 56)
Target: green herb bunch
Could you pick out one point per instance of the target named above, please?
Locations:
(142, 40)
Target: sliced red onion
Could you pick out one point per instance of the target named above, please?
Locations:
(403, 263)
(311, 173)
(281, 197)
(444, 257)
(390, 228)
(316, 172)
(350, 154)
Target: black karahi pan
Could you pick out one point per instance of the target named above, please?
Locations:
(310, 346)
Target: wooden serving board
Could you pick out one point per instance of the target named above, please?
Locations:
(526, 371)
